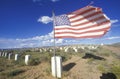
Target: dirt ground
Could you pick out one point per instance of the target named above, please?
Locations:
(81, 70)
(74, 68)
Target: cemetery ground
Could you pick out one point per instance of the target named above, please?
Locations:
(100, 63)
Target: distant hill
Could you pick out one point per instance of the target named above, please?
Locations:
(116, 44)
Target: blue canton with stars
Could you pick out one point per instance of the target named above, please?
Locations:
(61, 20)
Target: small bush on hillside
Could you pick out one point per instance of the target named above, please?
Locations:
(65, 58)
(105, 54)
(15, 72)
(101, 68)
(48, 70)
(19, 62)
(45, 57)
(112, 68)
(93, 50)
(34, 61)
(90, 61)
(116, 70)
(66, 74)
(1, 70)
(12, 73)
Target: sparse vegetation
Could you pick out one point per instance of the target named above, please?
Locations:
(101, 68)
(90, 61)
(48, 70)
(115, 68)
(11, 73)
(34, 61)
(15, 72)
(96, 61)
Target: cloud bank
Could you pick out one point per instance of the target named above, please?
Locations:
(47, 40)
(37, 41)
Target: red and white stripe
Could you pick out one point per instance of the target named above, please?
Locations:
(87, 22)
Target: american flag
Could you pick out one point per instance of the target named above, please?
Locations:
(87, 22)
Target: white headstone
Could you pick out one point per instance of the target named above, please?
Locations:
(50, 50)
(27, 57)
(75, 49)
(6, 54)
(0, 53)
(40, 50)
(61, 48)
(56, 66)
(82, 47)
(44, 50)
(66, 49)
(3, 54)
(16, 57)
(9, 56)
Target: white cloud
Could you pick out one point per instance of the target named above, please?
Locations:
(70, 41)
(45, 19)
(36, 41)
(45, 0)
(114, 21)
(50, 42)
(54, 0)
(59, 41)
(47, 40)
(111, 38)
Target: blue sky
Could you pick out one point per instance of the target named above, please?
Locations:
(28, 23)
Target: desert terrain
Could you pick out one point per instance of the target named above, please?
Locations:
(88, 62)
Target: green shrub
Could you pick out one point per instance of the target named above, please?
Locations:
(116, 70)
(90, 61)
(34, 61)
(18, 62)
(112, 68)
(12, 73)
(45, 57)
(101, 68)
(15, 72)
(66, 74)
(48, 70)
(105, 54)
(1, 70)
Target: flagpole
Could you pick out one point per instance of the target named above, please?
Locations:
(54, 54)
(53, 14)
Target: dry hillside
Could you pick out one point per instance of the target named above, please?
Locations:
(100, 63)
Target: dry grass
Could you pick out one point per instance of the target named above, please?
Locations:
(75, 65)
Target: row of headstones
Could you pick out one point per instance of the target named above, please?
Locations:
(56, 62)
(75, 49)
(5, 54)
(65, 49)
